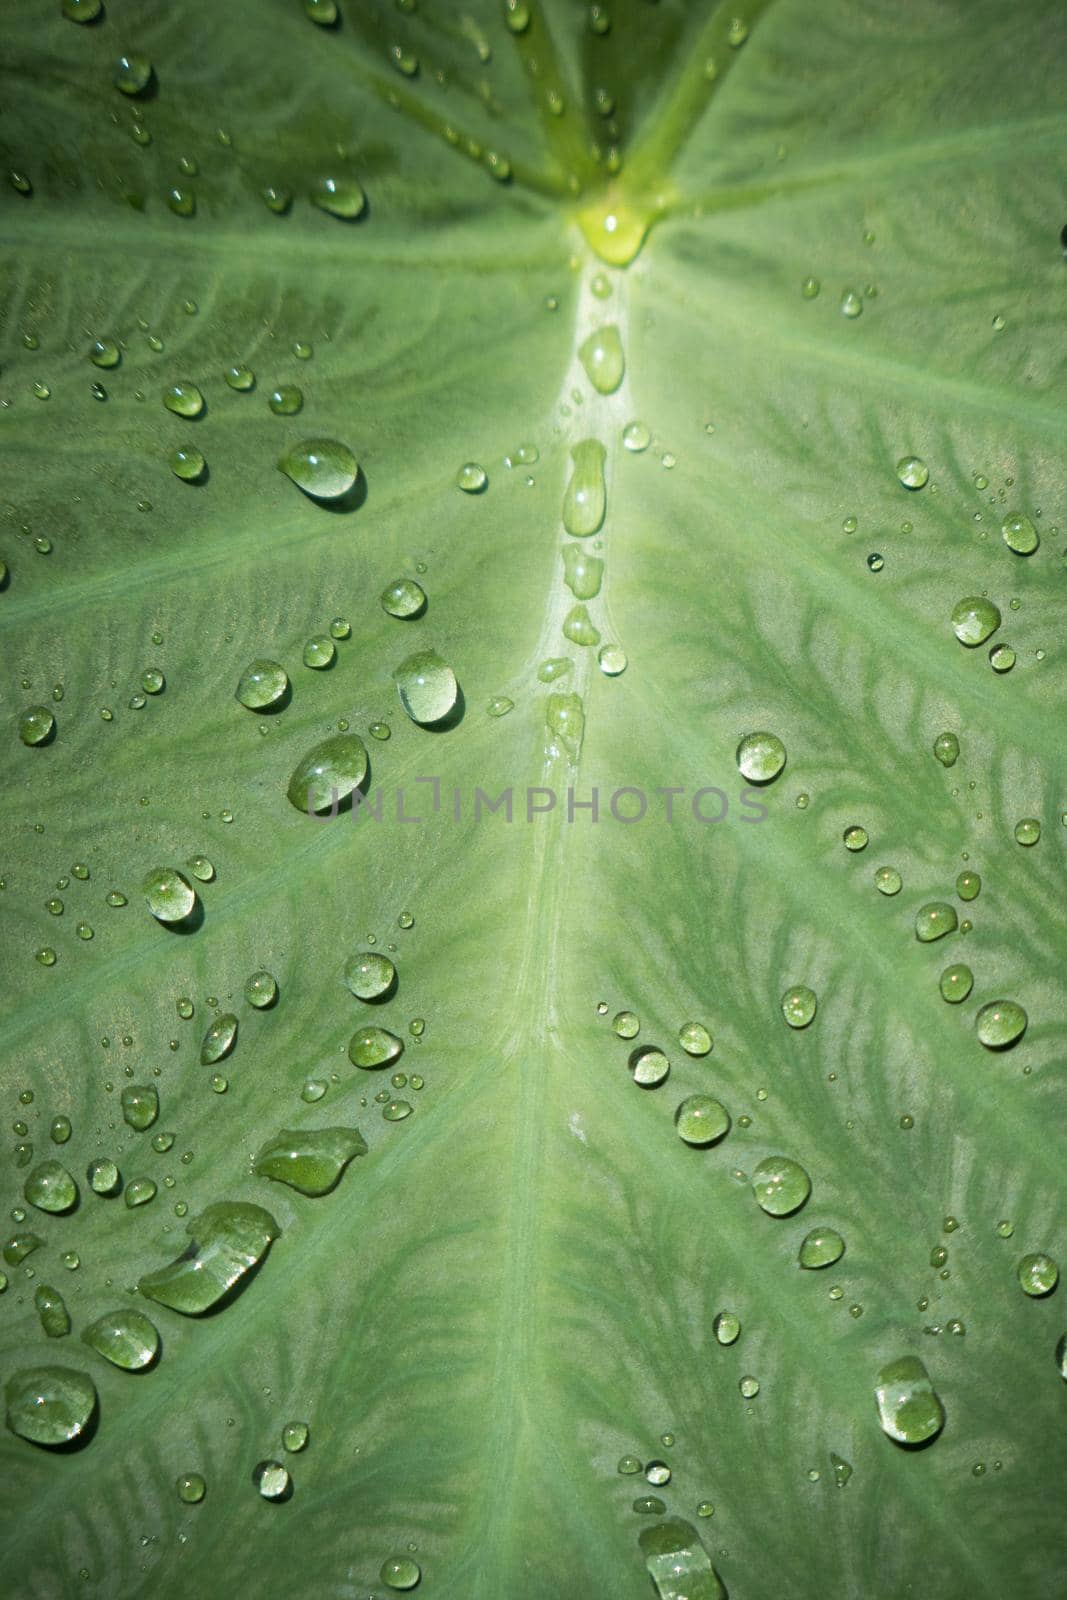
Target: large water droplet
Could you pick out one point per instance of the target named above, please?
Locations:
(125, 1338)
(1000, 1023)
(404, 598)
(700, 1120)
(427, 687)
(934, 920)
(400, 1572)
(325, 469)
(694, 1039)
(184, 399)
(821, 1248)
(908, 1406)
(678, 1563)
(52, 1311)
(947, 749)
(51, 1188)
(373, 1047)
(49, 1405)
(913, 472)
(133, 74)
(262, 683)
(760, 757)
(799, 1005)
(261, 990)
(585, 498)
(170, 895)
(272, 1480)
(649, 1066)
(310, 1160)
(956, 983)
(1038, 1275)
(780, 1185)
(601, 356)
(974, 619)
(1019, 534)
(328, 773)
(582, 573)
(340, 197)
(36, 725)
(140, 1105)
(370, 976)
(229, 1239)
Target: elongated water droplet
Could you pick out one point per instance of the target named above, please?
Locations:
(427, 687)
(601, 356)
(821, 1248)
(52, 1311)
(700, 1120)
(228, 1240)
(373, 1048)
(49, 1405)
(184, 399)
(678, 1563)
(339, 197)
(325, 469)
(582, 573)
(799, 1005)
(310, 1160)
(579, 628)
(125, 1338)
(947, 749)
(974, 619)
(51, 1188)
(328, 773)
(908, 1406)
(727, 1327)
(219, 1039)
(781, 1186)
(140, 1106)
(760, 757)
(585, 498)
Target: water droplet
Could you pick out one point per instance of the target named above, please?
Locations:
(956, 983)
(649, 1066)
(658, 1473)
(472, 478)
(781, 1186)
(140, 1106)
(310, 1160)
(427, 687)
(649, 1505)
(582, 572)
(262, 683)
(403, 598)
(139, 1192)
(810, 288)
(842, 1469)
(82, 10)
(856, 838)
(51, 1188)
(913, 472)
(324, 469)
(760, 757)
(272, 1480)
(636, 436)
(400, 1572)
(499, 705)
(579, 628)
(934, 920)
(52, 1310)
(191, 1488)
(60, 1130)
(700, 1120)
(974, 619)
(694, 1039)
(187, 464)
(626, 1024)
(968, 885)
(908, 1406)
(1005, 1229)
(585, 498)
(169, 894)
(286, 400)
(374, 1047)
(611, 659)
(319, 652)
(240, 377)
(602, 357)
(1020, 534)
(103, 1176)
(104, 353)
(1027, 831)
(184, 399)
(125, 1338)
(517, 15)
(1002, 658)
(851, 304)
(328, 773)
(261, 990)
(182, 202)
(821, 1248)
(36, 725)
(49, 1405)
(799, 1005)
(340, 197)
(219, 1039)
(370, 976)
(133, 74)
(324, 12)
(1001, 1023)
(228, 1240)
(1038, 1275)
(947, 749)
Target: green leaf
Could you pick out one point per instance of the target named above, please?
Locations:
(762, 574)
